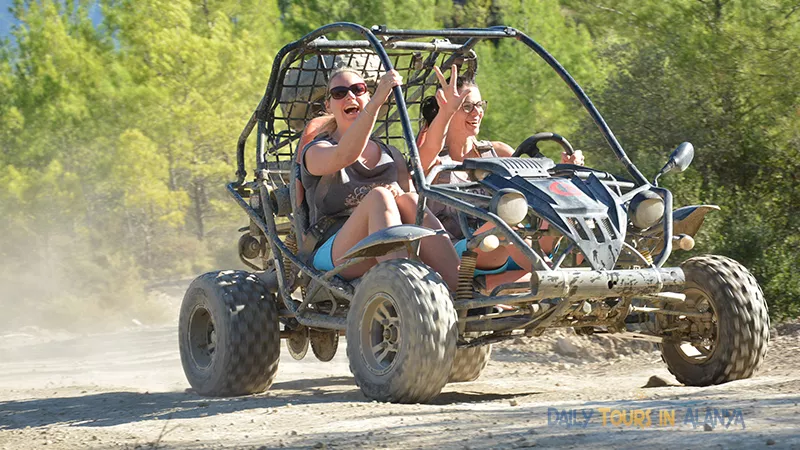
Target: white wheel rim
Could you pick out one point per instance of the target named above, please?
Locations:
(380, 335)
(699, 301)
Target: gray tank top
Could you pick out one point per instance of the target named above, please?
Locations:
(449, 215)
(336, 194)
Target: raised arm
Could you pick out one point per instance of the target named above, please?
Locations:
(449, 100)
(324, 158)
(502, 149)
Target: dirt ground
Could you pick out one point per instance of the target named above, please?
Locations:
(126, 389)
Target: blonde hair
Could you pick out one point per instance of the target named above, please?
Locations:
(330, 126)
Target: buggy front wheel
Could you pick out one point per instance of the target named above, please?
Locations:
(730, 342)
(401, 332)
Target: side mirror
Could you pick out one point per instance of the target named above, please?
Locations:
(679, 160)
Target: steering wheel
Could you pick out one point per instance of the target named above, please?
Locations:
(529, 146)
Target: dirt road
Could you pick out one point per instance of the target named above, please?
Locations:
(126, 389)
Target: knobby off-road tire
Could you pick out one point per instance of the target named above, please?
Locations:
(401, 333)
(469, 363)
(229, 334)
(742, 323)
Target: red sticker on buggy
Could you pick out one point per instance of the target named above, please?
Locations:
(564, 189)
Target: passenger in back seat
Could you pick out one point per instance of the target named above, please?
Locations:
(361, 184)
(451, 123)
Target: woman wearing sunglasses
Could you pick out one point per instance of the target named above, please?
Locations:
(346, 174)
(451, 123)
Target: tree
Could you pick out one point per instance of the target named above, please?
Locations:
(199, 72)
(303, 16)
(525, 95)
(118, 138)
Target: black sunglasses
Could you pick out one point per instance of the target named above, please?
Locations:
(340, 92)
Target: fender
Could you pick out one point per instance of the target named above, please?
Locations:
(389, 240)
(689, 219)
(686, 220)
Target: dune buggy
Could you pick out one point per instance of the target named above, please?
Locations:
(407, 335)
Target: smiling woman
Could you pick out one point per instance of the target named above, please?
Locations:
(452, 121)
(356, 185)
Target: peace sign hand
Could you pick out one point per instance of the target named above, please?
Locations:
(448, 96)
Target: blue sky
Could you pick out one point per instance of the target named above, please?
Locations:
(6, 20)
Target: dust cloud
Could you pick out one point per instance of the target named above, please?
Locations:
(51, 296)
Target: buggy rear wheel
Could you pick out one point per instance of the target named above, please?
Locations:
(469, 363)
(401, 332)
(730, 344)
(229, 334)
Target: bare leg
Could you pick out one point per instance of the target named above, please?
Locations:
(435, 251)
(496, 258)
(377, 211)
(519, 258)
(493, 259)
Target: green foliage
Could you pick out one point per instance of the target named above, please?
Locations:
(303, 16)
(117, 139)
(722, 76)
(526, 96)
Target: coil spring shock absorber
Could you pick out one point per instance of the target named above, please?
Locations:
(466, 273)
(647, 256)
(291, 244)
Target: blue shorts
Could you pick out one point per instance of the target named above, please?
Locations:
(323, 259)
(510, 264)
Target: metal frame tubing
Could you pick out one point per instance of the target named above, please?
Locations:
(278, 250)
(586, 284)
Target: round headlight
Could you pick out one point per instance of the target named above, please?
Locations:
(510, 205)
(646, 209)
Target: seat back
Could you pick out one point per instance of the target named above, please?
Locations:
(296, 190)
(299, 206)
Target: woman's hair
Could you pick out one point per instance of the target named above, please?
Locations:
(330, 126)
(430, 107)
